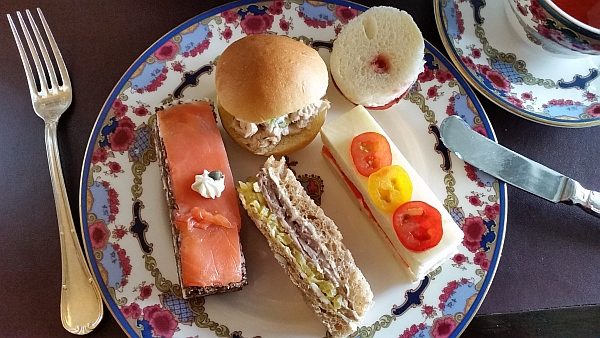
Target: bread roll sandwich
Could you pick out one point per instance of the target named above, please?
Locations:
(308, 246)
(405, 210)
(270, 93)
(377, 57)
(201, 197)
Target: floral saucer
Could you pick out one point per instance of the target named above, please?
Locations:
(125, 221)
(493, 53)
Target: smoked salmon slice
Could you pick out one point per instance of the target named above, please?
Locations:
(206, 230)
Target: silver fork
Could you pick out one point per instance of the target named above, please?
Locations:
(80, 302)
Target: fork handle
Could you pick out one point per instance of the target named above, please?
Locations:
(80, 302)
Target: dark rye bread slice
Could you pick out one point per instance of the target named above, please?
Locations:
(163, 160)
(359, 291)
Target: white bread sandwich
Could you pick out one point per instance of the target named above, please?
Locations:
(270, 92)
(418, 228)
(377, 57)
(308, 245)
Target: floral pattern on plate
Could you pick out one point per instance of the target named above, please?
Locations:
(124, 216)
(514, 72)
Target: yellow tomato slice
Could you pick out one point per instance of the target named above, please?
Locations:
(389, 187)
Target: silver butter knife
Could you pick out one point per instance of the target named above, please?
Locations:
(513, 168)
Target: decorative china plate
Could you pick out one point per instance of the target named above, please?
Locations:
(505, 65)
(124, 215)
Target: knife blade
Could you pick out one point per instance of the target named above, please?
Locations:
(513, 168)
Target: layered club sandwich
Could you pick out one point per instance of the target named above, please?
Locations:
(201, 197)
(308, 246)
(421, 232)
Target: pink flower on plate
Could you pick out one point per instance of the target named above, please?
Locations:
(527, 96)
(121, 139)
(126, 122)
(167, 51)
(114, 167)
(443, 327)
(426, 75)
(337, 29)
(227, 33)
(468, 62)
(178, 67)
(119, 232)
(141, 110)
(99, 155)
(256, 24)
(451, 107)
(432, 92)
(345, 14)
(459, 259)
(113, 203)
(561, 103)
(472, 246)
(124, 262)
(593, 110)
(162, 321)
(443, 75)
(537, 11)
(119, 109)
(515, 101)
(276, 7)
(471, 174)
(491, 211)
(474, 228)
(589, 96)
(474, 200)
(98, 234)
(428, 311)
(482, 260)
(498, 80)
(132, 310)
(284, 25)
(145, 291)
(229, 16)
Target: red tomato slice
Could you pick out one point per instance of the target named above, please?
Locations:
(370, 152)
(418, 225)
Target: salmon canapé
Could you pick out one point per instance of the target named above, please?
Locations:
(209, 244)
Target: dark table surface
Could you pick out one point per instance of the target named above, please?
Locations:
(551, 252)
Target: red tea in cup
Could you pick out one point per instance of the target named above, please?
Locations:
(586, 11)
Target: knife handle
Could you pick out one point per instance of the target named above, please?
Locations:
(588, 200)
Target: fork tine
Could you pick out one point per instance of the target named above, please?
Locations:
(59, 59)
(24, 59)
(44, 50)
(34, 55)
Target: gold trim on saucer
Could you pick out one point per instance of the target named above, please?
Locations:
(502, 104)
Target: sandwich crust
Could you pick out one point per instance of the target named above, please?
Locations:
(261, 77)
(359, 294)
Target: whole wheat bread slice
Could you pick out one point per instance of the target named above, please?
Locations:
(359, 295)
